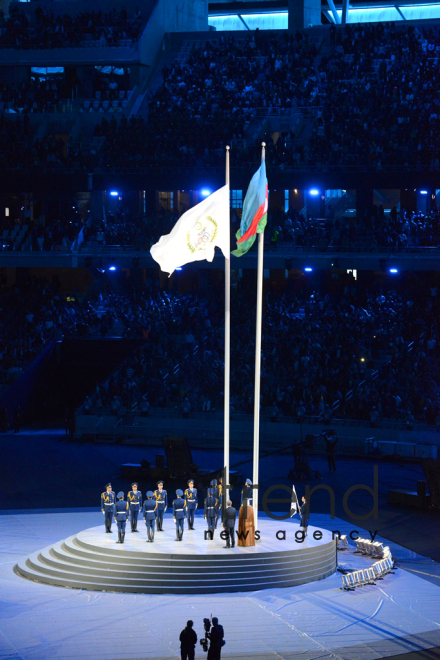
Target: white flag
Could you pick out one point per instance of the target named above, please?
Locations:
(196, 233)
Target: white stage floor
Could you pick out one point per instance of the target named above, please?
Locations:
(318, 620)
(195, 544)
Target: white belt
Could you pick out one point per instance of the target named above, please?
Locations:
(179, 510)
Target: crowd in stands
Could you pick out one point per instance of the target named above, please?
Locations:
(34, 96)
(32, 315)
(396, 230)
(44, 29)
(374, 357)
(379, 102)
(323, 356)
(212, 98)
(372, 92)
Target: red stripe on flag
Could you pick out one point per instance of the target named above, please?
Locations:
(254, 224)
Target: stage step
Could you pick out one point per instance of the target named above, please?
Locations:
(81, 564)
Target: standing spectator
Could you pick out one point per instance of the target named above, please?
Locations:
(188, 641)
(330, 450)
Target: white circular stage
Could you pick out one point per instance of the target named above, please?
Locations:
(93, 560)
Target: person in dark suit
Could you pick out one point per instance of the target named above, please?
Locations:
(330, 443)
(303, 512)
(188, 641)
(229, 524)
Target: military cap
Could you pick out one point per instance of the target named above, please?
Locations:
(150, 493)
(249, 482)
(191, 481)
(135, 484)
(108, 486)
(210, 491)
(159, 482)
(120, 495)
(179, 492)
(214, 482)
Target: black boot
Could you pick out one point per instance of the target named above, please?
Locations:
(106, 526)
(136, 525)
(181, 535)
(177, 535)
(122, 537)
(119, 538)
(152, 536)
(149, 536)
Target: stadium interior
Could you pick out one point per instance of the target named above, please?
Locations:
(114, 121)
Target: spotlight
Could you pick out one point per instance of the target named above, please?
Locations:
(205, 192)
(314, 192)
(179, 268)
(308, 269)
(423, 192)
(112, 267)
(114, 193)
(394, 270)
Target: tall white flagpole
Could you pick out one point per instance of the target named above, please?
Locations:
(227, 345)
(258, 364)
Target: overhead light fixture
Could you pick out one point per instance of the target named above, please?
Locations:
(314, 192)
(308, 269)
(114, 193)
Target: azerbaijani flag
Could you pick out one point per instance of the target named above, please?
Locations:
(254, 217)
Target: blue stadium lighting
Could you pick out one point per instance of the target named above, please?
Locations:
(308, 270)
(114, 193)
(314, 192)
(423, 192)
(394, 270)
(179, 268)
(112, 267)
(205, 192)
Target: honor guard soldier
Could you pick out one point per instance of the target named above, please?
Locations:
(150, 506)
(191, 503)
(211, 504)
(216, 491)
(179, 514)
(121, 515)
(162, 504)
(135, 505)
(107, 507)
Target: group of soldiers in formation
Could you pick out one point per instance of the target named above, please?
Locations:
(155, 505)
